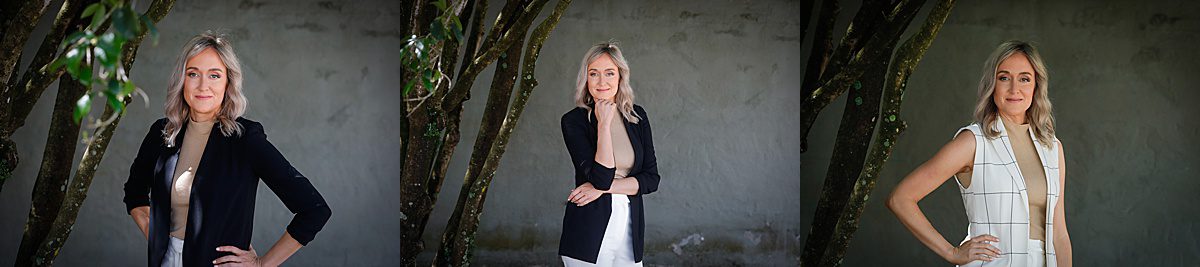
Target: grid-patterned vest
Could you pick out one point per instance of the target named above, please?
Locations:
(997, 202)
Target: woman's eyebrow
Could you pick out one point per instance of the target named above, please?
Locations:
(1005, 71)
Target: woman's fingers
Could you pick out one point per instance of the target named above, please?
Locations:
(985, 237)
(231, 249)
(228, 259)
(574, 192)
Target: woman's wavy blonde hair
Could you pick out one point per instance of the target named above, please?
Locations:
(624, 97)
(234, 104)
(1039, 115)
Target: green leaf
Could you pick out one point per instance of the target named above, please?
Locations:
(57, 63)
(441, 5)
(437, 75)
(149, 24)
(85, 75)
(98, 18)
(71, 39)
(113, 88)
(408, 87)
(111, 44)
(115, 103)
(91, 9)
(124, 22)
(127, 88)
(82, 106)
(73, 57)
(437, 30)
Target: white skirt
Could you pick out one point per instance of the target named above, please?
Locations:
(617, 247)
(174, 256)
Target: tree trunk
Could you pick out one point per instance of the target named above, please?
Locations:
(847, 185)
(495, 130)
(63, 223)
(51, 183)
(431, 132)
(890, 126)
(19, 19)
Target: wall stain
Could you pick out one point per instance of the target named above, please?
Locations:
(527, 238)
(381, 34)
(248, 4)
(1160, 19)
(688, 14)
(749, 16)
(733, 32)
(307, 26)
(330, 5)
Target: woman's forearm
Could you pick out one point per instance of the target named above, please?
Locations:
(911, 216)
(1062, 250)
(624, 186)
(141, 217)
(604, 153)
(284, 248)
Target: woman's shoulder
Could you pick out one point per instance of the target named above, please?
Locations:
(641, 112)
(575, 114)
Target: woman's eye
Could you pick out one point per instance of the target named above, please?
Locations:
(592, 74)
(610, 74)
(1003, 78)
(191, 75)
(1025, 80)
(214, 76)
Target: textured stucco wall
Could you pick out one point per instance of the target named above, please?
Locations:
(1123, 85)
(718, 80)
(719, 83)
(315, 78)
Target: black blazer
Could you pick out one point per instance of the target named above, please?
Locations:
(583, 227)
(221, 211)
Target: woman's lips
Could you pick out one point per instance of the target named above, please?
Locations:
(203, 97)
(1013, 100)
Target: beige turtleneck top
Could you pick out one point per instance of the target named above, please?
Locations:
(1035, 176)
(622, 154)
(190, 152)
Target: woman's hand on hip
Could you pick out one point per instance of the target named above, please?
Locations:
(605, 110)
(584, 194)
(977, 248)
(239, 258)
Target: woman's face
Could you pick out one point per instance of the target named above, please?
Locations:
(603, 78)
(1015, 83)
(204, 84)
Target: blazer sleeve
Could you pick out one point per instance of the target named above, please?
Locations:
(648, 177)
(296, 192)
(583, 153)
(137, 186)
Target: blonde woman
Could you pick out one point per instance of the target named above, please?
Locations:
(612, 151)
(195, 176)
(1010, 170)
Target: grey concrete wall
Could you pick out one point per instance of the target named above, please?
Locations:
(1123, 84)
(719, 83)
(718, 80)
(315, 79)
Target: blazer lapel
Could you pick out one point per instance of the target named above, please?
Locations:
(1009, 159)
(636, 142)
(1051, 180)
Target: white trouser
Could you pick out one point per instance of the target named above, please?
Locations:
(617, 247)
(1037, 253)
(174, 256)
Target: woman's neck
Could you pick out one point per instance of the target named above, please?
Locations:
(1013, 119)
(198, 117)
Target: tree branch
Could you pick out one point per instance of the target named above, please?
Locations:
(458, 241)
(60, 228)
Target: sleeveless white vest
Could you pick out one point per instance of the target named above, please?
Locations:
(997, 202)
